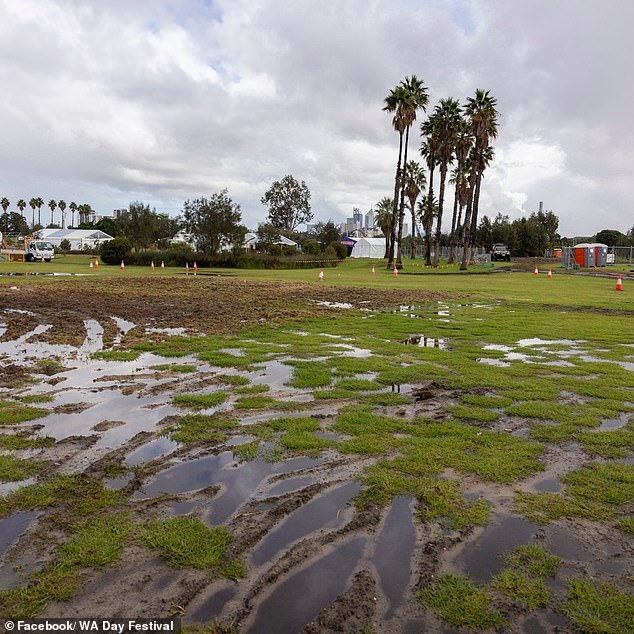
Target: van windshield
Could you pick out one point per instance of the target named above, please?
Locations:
(44, 246)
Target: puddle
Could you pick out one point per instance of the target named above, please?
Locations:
(291, 484)
(12, 527)
(156, 448)
(548, 485)
(318, 584)
(483, 557)
(393, 552)
(212, 607)
(562, 543)
(238, 481)
(334, 304)
(325, 511)
(274, 374)
(614, 423)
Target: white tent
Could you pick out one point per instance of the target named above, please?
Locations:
(369, 248)
(78, 238)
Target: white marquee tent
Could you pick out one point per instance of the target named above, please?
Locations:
(78, 238)
(369, 248)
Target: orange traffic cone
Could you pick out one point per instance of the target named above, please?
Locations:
(162, 264)
(619, 284)
(373, 271)
(122, 265)
(321, 275)
(195, 267)
(90, 263)
(42, 260)
(186, 268)
(97, 263)
(152, 264)
(550, 272)
(535, 272)
(395, 271)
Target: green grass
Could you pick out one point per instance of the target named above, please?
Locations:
(13, 469)
(12, 413)
(459, 603)
(180, 368)
(309, 375)
(24, 440)
(233, 379)
(117, 355)
(200, 401)
(201, 428)
(187, 542)
(593, 606)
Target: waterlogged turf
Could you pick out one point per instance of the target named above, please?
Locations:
(517, 385)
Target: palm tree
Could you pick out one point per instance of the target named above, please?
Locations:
(429, 151)
(427, 211)
(447, 115)
(21, 205)
(39, 203)
(482, 115)
(73, 209)
(33, 205)
(409, 96)
(463, 144)
(53, 206)
(383, 218)
(62, 205)
(4, 203)
(415, 181)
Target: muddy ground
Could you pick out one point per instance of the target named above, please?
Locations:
(314, 564)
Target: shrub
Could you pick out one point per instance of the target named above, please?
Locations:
(113, 251)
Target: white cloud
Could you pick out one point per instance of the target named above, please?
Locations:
(164, 100)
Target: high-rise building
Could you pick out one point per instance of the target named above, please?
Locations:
(357, 218)
(369, 219)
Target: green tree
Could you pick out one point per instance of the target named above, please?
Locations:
(109, 226)
(115, 250)
(448, 121)
(39, 203)
(52, 205)
(145, 227)
(21, 205)
(15, 224)
(326, 233)
(459, 178)
(611, 237)
(383, 219)
(267, 234)
(404, 100)
(73, 209)
(64, 246)
(482, 115)
(5, 205)
(214, 222)
(289, 204)
(415, 181)
(33, 206)
(62, 206)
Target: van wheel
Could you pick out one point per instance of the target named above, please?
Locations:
(28, 257)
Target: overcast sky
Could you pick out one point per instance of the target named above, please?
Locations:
(111, 101)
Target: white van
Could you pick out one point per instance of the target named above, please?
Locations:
(38, 250)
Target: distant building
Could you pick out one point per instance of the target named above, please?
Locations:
(369, 219)
(357, 218)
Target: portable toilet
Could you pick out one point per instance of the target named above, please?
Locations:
(589, 255)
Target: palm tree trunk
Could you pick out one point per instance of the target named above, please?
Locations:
(401, 207)
(413, 255)
(397, 183)
(466, 234)
(454, 217)
(430, 221)
(441, 201)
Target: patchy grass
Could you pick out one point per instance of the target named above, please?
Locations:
(200, 401)
(186, 541)
(358, 385)
(473, 413)
(201, 428)
(175, 367)
(309, 375)
(233, 379)
(252, 389)
(24, 440)
(617, 443)
(459, 603)
(13, 469)
(12, 413)
(385, 399)
(593, 606)
(97, 542)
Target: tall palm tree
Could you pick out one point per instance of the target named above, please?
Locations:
(482, 115)
(73, 209)
(383, 218)
(427, 211)
(462, 148)
(39, 203)
(447, 122)
(52, 206)
(415, 181)
(429, 151)
(33, 206)
(21, 205)
(408, 97)
(4, 203)
(62, 205)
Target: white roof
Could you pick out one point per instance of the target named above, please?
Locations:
(73, 234)
(590, 245)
